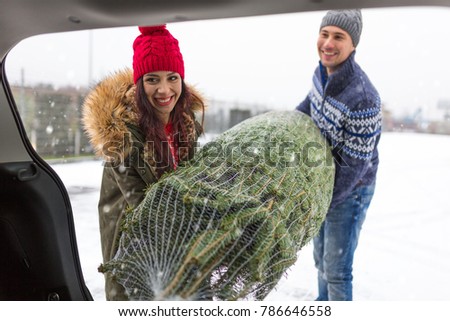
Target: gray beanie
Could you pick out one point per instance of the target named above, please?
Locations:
(348, 20)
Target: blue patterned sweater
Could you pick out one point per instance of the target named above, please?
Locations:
(347, 109)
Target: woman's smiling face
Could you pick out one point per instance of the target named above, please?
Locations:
(163, 89)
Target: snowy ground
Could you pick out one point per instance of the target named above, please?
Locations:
(404, 249)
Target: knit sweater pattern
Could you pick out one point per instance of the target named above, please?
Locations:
(346, 107)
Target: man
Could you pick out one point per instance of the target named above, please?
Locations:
(346, 107)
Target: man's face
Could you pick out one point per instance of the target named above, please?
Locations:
(334, 46)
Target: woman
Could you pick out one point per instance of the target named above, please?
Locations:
(142, 124)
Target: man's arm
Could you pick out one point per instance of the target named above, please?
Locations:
(354, 156)
(305, 106)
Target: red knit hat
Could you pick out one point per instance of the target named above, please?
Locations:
(155, 49)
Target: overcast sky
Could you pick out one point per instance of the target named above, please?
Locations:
(266, 60)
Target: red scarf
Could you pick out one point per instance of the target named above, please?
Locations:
(173, 150)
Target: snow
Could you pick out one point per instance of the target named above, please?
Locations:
(404, 248)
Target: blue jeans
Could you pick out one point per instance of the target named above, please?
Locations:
(336, 243)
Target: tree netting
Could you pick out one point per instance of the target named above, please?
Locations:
(228, 224)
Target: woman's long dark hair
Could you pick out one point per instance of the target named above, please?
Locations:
(183, 125)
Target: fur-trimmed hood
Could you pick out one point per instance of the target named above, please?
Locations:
(110, 108)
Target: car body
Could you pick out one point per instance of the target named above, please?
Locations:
(37, 237)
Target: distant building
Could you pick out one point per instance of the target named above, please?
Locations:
(52, 120)
(445, 106)
(238, 115)
(222, 115)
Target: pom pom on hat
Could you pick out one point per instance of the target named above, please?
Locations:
(155, 49)
(151, 29)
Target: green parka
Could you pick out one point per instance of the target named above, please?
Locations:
(111, 123)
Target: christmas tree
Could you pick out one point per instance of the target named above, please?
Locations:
(228, 224)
